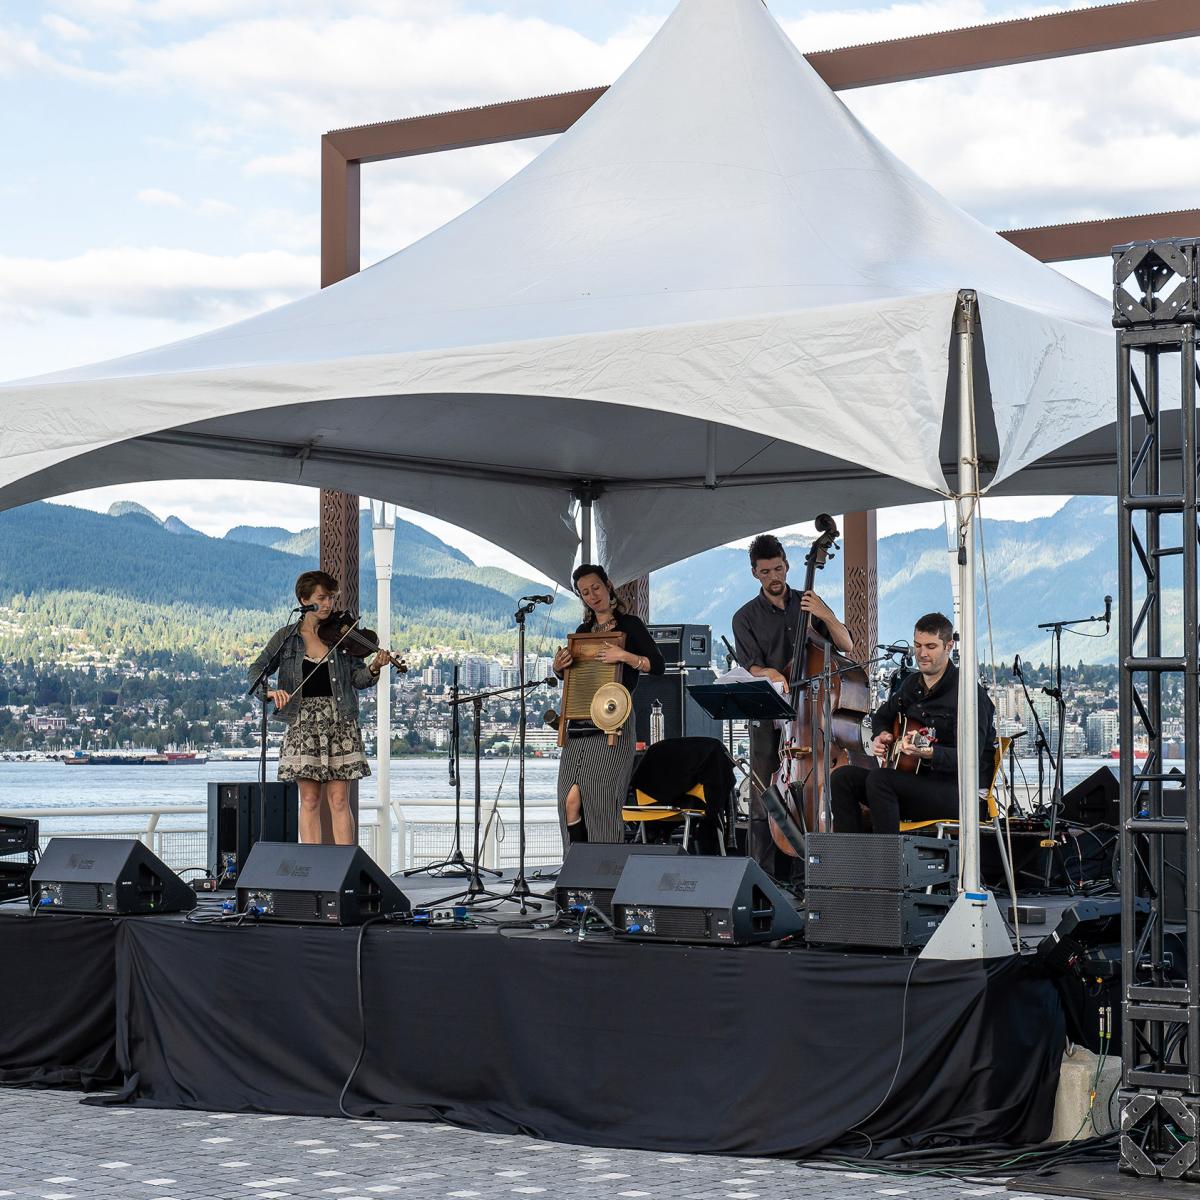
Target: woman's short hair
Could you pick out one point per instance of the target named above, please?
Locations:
(766, 545)
(309, 581)
(594, 569)
(937, 624)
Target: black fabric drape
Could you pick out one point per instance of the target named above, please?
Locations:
(747, 1051)
(57, 1007)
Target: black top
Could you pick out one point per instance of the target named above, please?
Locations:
(637, 641)
(316, 680)
(937, 709)
(764, 635)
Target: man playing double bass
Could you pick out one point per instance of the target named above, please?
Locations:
(764, 631)
(927, 700)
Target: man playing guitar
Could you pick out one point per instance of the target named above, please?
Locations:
(925, 707)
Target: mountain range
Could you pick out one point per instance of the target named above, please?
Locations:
(129, 574)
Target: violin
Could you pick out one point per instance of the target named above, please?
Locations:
(800, 779)
(341, 628)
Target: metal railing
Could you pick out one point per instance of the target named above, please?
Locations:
(414, 841)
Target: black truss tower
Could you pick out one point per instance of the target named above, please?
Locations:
(1155, 305)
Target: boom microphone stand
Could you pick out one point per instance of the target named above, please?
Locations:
(1040, 744)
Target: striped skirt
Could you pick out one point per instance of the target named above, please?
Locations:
(602, 774)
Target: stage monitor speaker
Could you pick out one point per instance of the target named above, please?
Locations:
(14, 880)
(682, 716)
(590, 872)
(887, 862)
(881, 920)
(107, 876)
(315, 885)
(18, 835)
(724, 901)
(1095, 801)
(683, 645)
(234, 819)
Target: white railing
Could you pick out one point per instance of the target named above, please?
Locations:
(415, 842)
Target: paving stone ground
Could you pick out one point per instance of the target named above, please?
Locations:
(53, 1148)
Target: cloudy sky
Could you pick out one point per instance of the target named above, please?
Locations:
(161, 156)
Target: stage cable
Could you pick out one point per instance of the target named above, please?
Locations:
(362, 1015)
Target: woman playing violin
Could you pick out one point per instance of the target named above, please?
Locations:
(593, 777)
(322, 749)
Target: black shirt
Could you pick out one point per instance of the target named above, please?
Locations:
(637, 641)
(937, 710)
(316, 679)
(764, 635)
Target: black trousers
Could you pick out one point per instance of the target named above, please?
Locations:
(890, 796)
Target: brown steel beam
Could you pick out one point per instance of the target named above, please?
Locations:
(1031, 39)
(1094, 239)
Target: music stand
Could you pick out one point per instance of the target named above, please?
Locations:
(753, 700)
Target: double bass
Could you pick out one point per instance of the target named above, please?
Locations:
(830, 696)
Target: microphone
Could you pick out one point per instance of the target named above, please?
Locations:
(551, 681)
(896, 648)
(307, 608)
(1107, 613)
(539, 599)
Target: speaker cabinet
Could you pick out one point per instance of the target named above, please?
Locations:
(107, 876)
(1094, 801)
(315, 885)
(881, 920)
(723, 901)
(683, 645)
(590, 872)
(236, 820)
(900, 862)
(682, 716)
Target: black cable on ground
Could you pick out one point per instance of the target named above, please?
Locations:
(362, 1014)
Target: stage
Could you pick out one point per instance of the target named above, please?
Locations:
(602, 1042)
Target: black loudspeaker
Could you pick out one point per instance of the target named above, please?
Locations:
(883, 920)
(18, 835)
(315, 885)
(108, 876)
(590, 872)
(14, 880)
(901, 862)
(1095, 801)
(725, 901)
(682, 716)
(683, 645)
(234, 819)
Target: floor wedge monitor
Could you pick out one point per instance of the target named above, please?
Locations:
(315, 885)
(109, 876)
(590, 872)
(724, 901)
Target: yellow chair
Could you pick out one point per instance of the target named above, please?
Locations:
(993, 808)
(646, 810)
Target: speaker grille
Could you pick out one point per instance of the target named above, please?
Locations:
(89, 896)
(681, 923)
(296, 906)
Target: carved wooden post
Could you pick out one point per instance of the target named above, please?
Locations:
(635, 596)
(861, 581)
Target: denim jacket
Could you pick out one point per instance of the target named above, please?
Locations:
(345, 673)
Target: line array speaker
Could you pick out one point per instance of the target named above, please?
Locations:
(14, 880)
(315, 885)
(109, 876)
(18, 835)
(724, 901)
(590, 872)
(899, 862)
(885, 920)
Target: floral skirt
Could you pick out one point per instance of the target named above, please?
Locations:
(320, 744)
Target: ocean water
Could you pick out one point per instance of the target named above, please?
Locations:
(46, 785)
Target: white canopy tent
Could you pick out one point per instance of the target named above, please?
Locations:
(716, 304)
(717, 276)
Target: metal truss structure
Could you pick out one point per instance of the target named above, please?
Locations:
(1156, 299)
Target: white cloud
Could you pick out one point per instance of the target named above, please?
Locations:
(153, 281)
(66, 30)
(158, 198)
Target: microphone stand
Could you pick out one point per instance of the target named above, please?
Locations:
(455, 863)
(1040, 744)
(1056, 694)
(475, 891)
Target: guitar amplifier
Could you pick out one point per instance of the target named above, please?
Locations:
(682, 716)
(683, 645)
(900, 862)
(881, 920)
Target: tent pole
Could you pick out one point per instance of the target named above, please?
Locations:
(585, 532)
(973, 928)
